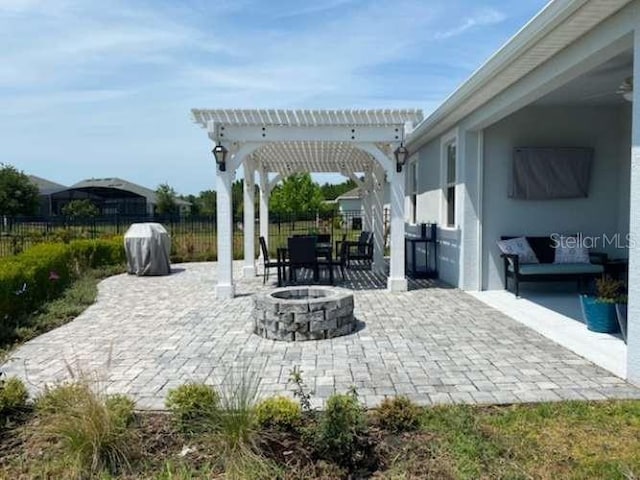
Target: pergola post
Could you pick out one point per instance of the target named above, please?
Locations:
(367, 203)
(397, 282)
(378, 220)
(224, 208)
(249, 267)
(265, 191)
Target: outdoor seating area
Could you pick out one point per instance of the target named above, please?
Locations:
(313, 258)
(537, 259)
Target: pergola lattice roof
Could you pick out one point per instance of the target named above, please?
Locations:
(309, 140)
(307, 118)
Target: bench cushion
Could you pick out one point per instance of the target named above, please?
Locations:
(559, 269)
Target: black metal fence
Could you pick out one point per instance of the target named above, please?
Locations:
(193, 237)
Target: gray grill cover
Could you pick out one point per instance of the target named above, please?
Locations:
(147, 246)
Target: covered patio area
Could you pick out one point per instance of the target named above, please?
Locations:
(363, 145)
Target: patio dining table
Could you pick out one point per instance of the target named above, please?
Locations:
(324, 250)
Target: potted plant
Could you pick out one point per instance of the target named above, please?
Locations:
(599, 311)
(621, 314)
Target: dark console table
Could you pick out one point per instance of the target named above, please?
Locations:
(426, 237)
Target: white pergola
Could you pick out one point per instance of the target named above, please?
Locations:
(278, 143)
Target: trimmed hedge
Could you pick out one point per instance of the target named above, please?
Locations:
(40, 274)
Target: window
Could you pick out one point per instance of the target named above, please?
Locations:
(450, 185)
(413, 192)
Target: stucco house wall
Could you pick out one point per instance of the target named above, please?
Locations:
(604, 212)
(429, 209)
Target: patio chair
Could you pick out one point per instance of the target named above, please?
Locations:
(324, 238)
(362, 249)
(342, 257)
(267, 263)
(302, 254)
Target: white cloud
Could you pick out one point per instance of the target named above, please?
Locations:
(483, 18)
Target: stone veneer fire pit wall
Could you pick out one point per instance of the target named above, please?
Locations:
(304, 313)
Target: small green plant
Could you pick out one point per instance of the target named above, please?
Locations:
(341, 429)
(301, 391)
(13, 395)
(237, 425)
(398, 414)
(194, 406)
(279, 412)
(608, 289)
(94, 431)
(121, 409)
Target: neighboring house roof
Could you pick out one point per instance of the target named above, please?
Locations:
(124, 185)
(45, 186)
(555, 27)
(353, 194)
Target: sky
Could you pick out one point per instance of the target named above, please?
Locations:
(104, 88)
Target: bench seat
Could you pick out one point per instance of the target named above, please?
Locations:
(546, 270)
(558, 268)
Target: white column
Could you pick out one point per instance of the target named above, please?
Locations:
(367, 202)
(249, 267)
(468, 193)
(378, 221)
(397, 282)
(265, 190)
(225, 287)
(633, 315)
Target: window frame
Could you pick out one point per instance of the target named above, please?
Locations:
(449, 185)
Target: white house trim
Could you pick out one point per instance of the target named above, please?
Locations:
(557, 26)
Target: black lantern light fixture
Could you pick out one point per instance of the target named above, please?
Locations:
(220, 152)
(402, 154)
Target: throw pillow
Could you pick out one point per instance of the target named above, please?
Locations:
(518, 246)
(569, 250)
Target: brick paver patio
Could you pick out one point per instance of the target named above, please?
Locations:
(434, 344)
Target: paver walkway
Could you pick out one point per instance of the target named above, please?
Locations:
(434, 344)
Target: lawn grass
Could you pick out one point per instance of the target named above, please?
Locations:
(565, 440)
(81, 294)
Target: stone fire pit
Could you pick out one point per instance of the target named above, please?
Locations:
(304, 313)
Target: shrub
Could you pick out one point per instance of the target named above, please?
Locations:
(94, 432)
(278, 412)
(121, 409)
(398, 414)
(341, 429)
(31, 278)
(13, 395)
(97, 253)
(194, 406)
(41, 273)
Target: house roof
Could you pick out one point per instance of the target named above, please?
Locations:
(124, 185)
(350, 195)
(308, 140)
(45, 186)
(556, 26)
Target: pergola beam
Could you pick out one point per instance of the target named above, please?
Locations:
(274, 133)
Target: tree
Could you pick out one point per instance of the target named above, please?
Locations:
(298, 195)
(80, 208)
(166, 199)
(18, 195)
(333, 191)
(207, 202)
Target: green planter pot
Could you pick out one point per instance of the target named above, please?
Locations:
(600, 317)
